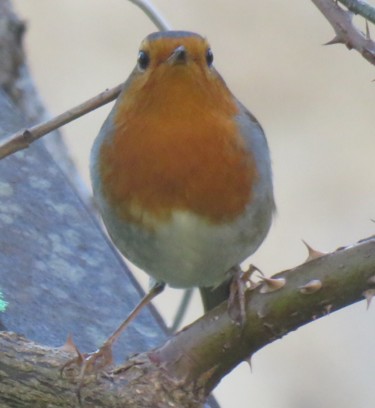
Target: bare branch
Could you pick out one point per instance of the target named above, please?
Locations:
(23, 139)
(150, 10)
(346, 33)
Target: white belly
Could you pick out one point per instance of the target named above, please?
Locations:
(187, 251)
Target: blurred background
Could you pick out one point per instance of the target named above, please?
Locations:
(316, 105)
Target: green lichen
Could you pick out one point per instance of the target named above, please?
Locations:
(3, 303)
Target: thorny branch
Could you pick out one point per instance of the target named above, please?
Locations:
(184, 370)
(345, 31)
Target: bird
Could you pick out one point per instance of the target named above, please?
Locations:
(181, 171)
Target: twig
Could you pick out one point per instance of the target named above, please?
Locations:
(23, 139)
(153, 14)
(360, 7)
(346, 33)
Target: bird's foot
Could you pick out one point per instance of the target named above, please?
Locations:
(84, 365)
(81, 368)
(241, 282)
(88, 363)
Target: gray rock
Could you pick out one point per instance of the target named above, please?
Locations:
(58, 271)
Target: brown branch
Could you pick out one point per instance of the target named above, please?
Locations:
(184, 370)
(346, 32)
(23, 139)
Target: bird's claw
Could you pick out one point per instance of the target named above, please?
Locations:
(241, 282)
(86, 364)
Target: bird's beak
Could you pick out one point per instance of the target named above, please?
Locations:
(178, 56)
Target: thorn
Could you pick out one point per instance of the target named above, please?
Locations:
(69, 345)
(247, 276)
(261, 314)
(248, 360)
(271, 284)
(311, 287)
(336, 40)
(312, 253)
(368, 294)
(328, 309)
(251, 270)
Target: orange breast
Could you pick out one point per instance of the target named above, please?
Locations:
(176, 148)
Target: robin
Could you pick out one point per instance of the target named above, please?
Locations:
(181, 170)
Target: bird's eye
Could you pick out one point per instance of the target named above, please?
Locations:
(143, 60)
(209, 57)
